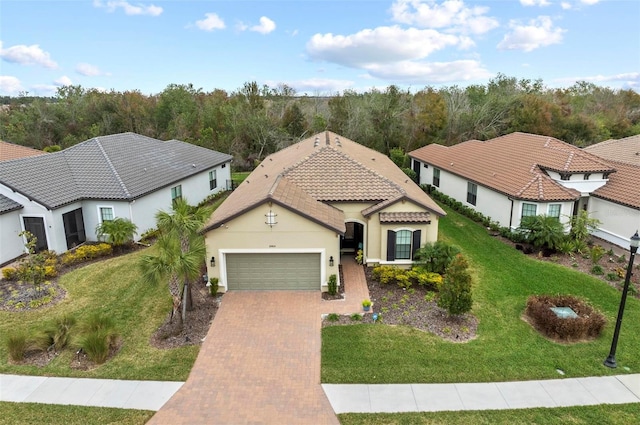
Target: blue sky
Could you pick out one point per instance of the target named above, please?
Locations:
(314, 46)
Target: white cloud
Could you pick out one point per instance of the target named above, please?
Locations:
(589, 2)
(629, 78)
(211, 22)
(10, 85)
(63, 81)
(537, 33)
(317, 85)
(88, 69)
(265, 27)
(452, 15)
(430, 72)
(565, 5)
(535, 2)
(128, 8)
(379, 45)
(27, 55)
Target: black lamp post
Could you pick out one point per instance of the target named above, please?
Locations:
(633, 247)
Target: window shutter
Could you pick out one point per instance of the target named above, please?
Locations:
(416, 242)
(391, 245)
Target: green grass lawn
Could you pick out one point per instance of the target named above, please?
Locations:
(114, 287)
(620, 414)
(35, 413)
(506, 348)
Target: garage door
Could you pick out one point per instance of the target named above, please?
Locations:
(273, 271)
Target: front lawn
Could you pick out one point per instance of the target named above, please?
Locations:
(613, 414)
(112, 287)
(506, 348)
(36, 413)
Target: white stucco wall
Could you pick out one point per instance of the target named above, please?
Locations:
(11, 245)
(619, 223)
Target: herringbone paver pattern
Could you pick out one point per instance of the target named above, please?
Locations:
(260, 362)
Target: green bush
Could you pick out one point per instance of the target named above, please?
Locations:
(613, 276)
(543, 231)
(333, 285)
(333, 317)
(118, 232)
(455, 293)
(58, 331)
(596, 253)
(436, 256)
(97, 337)
(355, 317)
(213, 286)
(597, 270)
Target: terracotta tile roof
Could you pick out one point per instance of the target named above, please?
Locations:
(9, 151)
(621, 150)
(323, 168)
(622, 187)
(405, 217)
(515, 164)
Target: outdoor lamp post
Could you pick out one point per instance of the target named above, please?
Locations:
(634, 242)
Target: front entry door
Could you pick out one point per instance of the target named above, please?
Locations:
(35, 225)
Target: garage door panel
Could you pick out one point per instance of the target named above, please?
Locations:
(269, 271)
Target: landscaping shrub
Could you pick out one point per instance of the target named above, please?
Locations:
(9, 273)
(596, 252)
(425, 278)
(97, 337)
(333, 285)
(85, 253)
(117, 232)
(213, 286)
(356, 317)
(588, 324)
(597, 270)
(455, 293)
(58, 331)
(435, 257)
(613, 276)
(333, 317)
(17, 345)
(543, 231)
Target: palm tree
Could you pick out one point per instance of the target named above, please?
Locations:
(181, 251)
(118, 232)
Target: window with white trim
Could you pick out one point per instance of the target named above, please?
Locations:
(436, 177)
(106, 214)
(529, 210)
(403, 245)
(213, 182)
(554, 210)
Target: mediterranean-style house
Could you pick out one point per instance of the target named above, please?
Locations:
(288, 223)
(521, 174)
(617, 204)
(62, 197)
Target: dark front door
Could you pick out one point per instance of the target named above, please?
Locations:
(74, 228)
(35, 225)
(416, 168)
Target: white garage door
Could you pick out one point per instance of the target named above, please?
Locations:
(273, 271)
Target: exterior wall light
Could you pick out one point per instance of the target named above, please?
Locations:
(331, 261)
(213, 261)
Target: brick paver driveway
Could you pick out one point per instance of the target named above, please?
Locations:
(260, 364)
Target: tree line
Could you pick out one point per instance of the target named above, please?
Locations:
(254, 120)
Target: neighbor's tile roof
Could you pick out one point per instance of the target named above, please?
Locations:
(514, 164)
(122, 166)
(621, 150)
(623, 186)
(10, 151)
(323, 168)
(8, 205)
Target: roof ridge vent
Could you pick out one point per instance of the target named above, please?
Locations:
(316, 143)
(338, 142)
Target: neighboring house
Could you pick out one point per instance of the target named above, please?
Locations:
(62, 197)
(287, 224)
(516, 175)
(10, 151)
(617, 204)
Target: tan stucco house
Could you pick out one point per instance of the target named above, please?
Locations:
(287, 225)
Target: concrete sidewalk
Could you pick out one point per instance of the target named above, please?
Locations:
(359, 398)
(344, 398)
(143, 395)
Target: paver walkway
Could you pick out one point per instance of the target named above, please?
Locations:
(260, 362)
